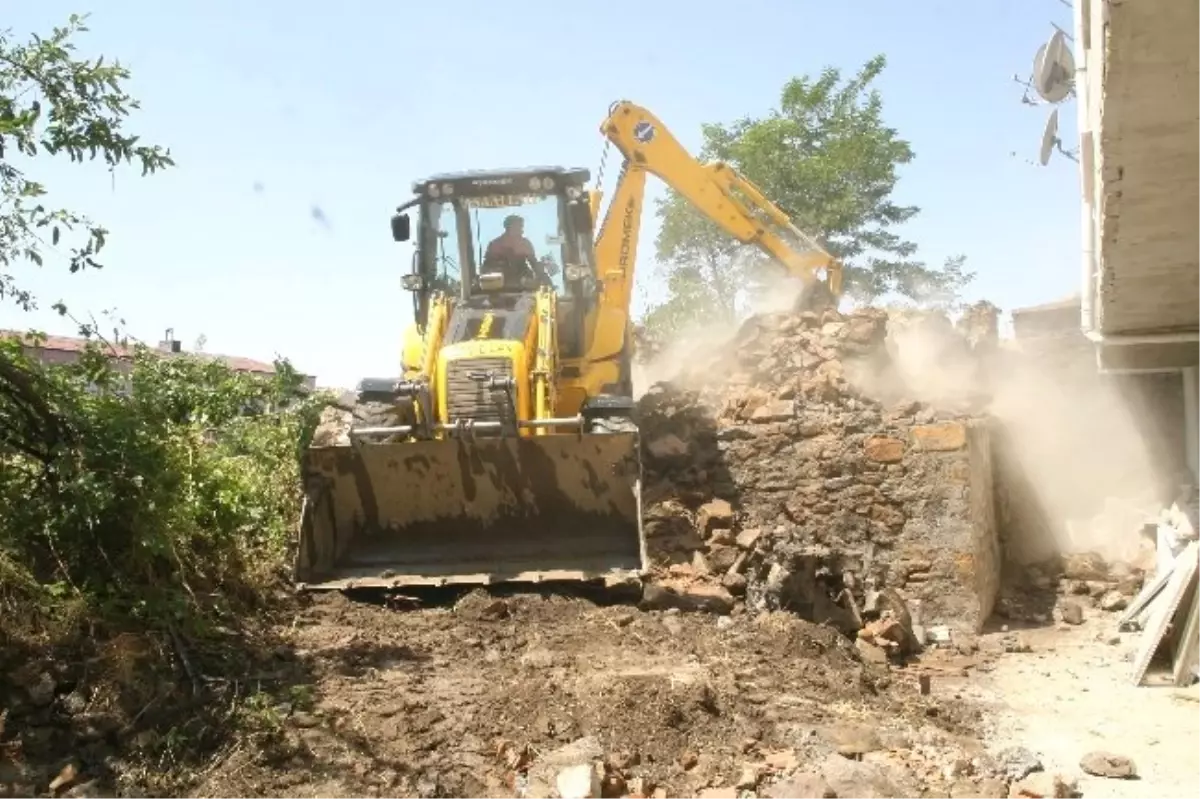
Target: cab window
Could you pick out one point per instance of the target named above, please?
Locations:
(447, 260)
(540, 226)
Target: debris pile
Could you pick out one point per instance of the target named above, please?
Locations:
(1156, 595)
(552, 696)
(1067, 588)
(793, 469)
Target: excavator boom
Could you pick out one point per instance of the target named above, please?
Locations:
(728, 199)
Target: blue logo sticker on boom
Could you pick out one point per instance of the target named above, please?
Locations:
(643, 132)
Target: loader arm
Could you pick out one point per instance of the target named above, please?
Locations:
(616, 256)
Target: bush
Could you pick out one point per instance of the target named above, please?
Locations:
(151, 489)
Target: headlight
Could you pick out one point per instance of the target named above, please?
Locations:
(491, 281)
(434, 191)
(547, 184)
(412, 282)
(447, 189)
(535, 183)
(574, 273)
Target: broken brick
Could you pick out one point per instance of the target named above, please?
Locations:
(884, 450)
(775, 411)
(715, 514)
(945, 437)
(746, 539)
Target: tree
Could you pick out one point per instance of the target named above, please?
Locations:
(827, 158)
(53, 103)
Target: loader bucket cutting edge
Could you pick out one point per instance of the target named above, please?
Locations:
(553, 507)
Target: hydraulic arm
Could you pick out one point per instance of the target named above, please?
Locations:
(728, 199)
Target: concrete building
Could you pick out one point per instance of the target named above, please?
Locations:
(66, 350)
(1137, 83)
(1137, 86)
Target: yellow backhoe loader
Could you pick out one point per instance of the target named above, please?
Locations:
(507, 451)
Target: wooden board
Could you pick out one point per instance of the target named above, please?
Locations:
(1187, 650)
(1165, 609)
(1145, 597)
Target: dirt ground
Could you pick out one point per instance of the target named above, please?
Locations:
(468, 700)
(1071, 694)
(499, 696)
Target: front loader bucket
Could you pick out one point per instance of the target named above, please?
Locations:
(552, 507)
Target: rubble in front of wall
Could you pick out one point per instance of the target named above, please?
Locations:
(1153, 595)
(800, 473)
(800, 466)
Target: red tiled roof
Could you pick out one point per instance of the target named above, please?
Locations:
(68, 344)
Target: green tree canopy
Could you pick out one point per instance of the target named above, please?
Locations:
(827, 158)
(53, 103)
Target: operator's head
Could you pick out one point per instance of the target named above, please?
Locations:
(514, 224)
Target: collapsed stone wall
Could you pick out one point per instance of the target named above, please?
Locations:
(793, 468)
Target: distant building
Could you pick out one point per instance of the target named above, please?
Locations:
(66, 350)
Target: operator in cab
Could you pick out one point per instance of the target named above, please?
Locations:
(514, 254)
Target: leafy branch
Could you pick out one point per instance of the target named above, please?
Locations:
(55, 103)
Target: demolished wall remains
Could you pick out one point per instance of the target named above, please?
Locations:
(796, 467)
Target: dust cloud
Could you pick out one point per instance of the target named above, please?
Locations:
(681, 359)
(1090, 470)
(1074, 462)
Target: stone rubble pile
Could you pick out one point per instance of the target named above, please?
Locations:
(1068, 588)
(792, 469)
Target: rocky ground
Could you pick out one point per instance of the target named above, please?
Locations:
(809, 519)
(504, 696)
(549, 695)
(1069, 698)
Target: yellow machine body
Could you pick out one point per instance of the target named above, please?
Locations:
(507, 451)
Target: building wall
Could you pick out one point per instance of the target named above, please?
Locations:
(829, 461)
(1137, 85)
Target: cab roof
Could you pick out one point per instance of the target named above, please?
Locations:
(483, 178)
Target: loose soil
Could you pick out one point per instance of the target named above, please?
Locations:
(458, 701)
(470, 698)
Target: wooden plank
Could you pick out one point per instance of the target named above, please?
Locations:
(1165, 609)
(1187, 650)
(1142, 601)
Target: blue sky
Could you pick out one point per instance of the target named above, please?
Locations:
(273, 108)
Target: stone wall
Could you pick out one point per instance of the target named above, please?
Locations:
(812, 454)
(794, 466)
(986, 547)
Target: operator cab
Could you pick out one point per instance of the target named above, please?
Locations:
(487, 236)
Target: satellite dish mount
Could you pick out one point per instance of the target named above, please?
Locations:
(1051, 141)
(1054, 69)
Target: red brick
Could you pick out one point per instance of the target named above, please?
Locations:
(884, 450)
(940, 437)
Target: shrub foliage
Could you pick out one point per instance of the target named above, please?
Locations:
(147, 486)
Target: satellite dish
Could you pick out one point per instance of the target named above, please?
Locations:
(1049, 138)
(1054, 69)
